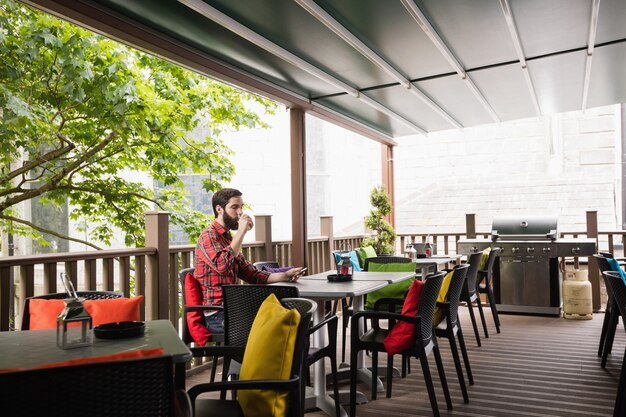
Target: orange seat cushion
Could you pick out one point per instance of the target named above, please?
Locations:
(43, 313)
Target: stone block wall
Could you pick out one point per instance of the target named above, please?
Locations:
(561, 165)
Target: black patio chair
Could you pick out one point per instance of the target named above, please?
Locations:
(124, 388)
(183, 276)
(611, 312)
(450, 327)
(87, 295)
(425, 343)
(618, 288)
(293, 386)
(469, 294)
(484, 285)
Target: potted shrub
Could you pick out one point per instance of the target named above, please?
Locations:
(384, 239)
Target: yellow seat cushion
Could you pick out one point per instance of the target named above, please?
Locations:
(269, 355)
(484, 260)
(443, 293)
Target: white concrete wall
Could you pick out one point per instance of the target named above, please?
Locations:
(562, 165)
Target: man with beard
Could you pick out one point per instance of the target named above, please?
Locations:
(218, 258)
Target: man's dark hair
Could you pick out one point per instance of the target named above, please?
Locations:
(221, 198)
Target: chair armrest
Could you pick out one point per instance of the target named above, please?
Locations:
(392, 303)
(264, 384)
(220, 351)
(330, 321)
(382, 315)
(206, 307)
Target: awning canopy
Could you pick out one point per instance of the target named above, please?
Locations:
(387, 68)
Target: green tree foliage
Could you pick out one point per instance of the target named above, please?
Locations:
(79, 110)
(383, 240)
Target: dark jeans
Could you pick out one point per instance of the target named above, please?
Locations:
(215, 322)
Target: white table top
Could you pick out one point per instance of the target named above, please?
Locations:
(390, 277)
(316, 289)
(32, 348)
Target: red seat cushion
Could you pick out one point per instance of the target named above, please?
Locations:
(195, 319)
(402, 336)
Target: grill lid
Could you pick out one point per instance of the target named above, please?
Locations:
(524, 228)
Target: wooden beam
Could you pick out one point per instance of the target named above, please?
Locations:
(388, 180)
(298, 187)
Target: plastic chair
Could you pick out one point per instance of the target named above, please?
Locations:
(87, 295)
(294, 386)
(125, 388)
(618, 288)
(188, 339)
(469, 294)
(425, 343)
(611, 312)
(239, 300)
(450, 328)
(484, 286)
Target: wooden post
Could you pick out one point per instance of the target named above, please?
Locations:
(470, 226)
(388, 180)
(326, 229)
(298, 187)
(263, 233)
(157, 285)
(592, 266)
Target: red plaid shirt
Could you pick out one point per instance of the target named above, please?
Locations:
(216, 265)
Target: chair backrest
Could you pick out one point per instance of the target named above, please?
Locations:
(306, 308)
(474, 262)
(87, 295)
(426, 307)
(457, 282)
(602, 258)
(262, 264)
(137, 387)
(618, 288)
(385, 260)
(490, 262)
(241, 303)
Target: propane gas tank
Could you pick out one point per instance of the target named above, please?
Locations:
(577, 296)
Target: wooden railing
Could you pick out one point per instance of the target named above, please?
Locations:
(97, 272)
(153, 271)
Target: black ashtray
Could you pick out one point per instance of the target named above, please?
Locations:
(338, 278)
(120, 330)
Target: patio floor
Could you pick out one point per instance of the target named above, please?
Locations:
(537, 366)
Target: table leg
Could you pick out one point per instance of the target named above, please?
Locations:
(319, 398)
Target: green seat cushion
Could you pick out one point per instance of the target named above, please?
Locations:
(395, 290)
(365, 252)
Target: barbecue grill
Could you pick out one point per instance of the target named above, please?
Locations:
(526, 276)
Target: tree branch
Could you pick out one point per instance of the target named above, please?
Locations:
(109, 194)
(56, 153)
(54, 181)
(50, 232)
